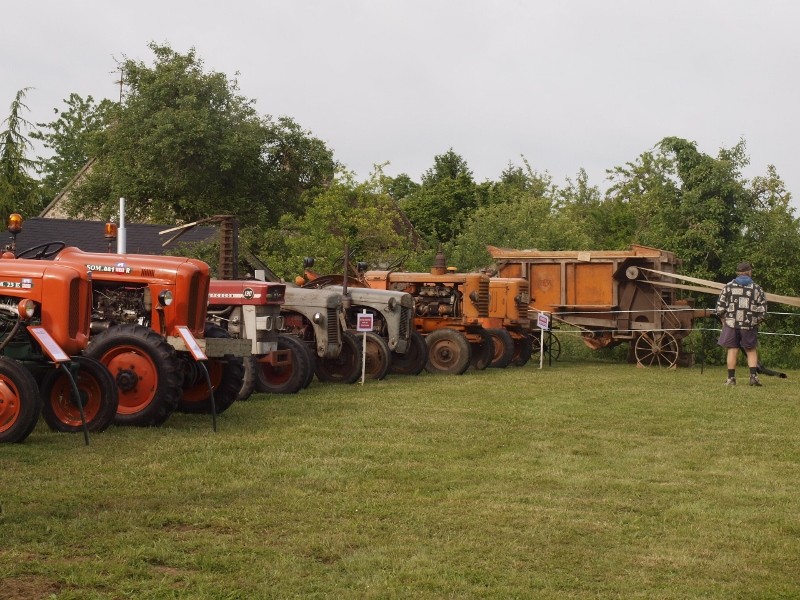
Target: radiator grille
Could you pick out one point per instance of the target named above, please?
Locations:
(76, 303)
(483, 298)
(333, 326)
(192, 301)
(406, 317)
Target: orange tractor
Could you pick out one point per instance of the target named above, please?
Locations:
(449, 310)
(44, 328)
(508, 322)
(148, 321)
(148, 327)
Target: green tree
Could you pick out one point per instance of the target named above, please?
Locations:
(185, 144)
(444, 201)
(72, 139)
(358, 214)
(19, 190)
(687, 202)
(525, 210)
(399, 187)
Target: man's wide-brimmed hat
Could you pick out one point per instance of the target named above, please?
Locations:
(744, 267)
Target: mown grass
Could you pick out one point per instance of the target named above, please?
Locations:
(582, 480)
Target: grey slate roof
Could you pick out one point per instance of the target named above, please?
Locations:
(88, 235)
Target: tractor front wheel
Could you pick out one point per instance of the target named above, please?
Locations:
(449, 352)
(378, 357)
(287, 378)
(98, 394)
(502, 348)
(146, 372)
(413, 361)
(482, 351)
(226, 375)
(20, 402)
(523, 350)
(345, 368)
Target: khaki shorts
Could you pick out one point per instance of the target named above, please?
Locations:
(738, 338)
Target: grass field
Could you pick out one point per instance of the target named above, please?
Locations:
(581, 480)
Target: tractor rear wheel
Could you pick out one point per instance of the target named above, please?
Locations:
(482, 351)
(502, 348)
(345, 368)
(145, 369)
(20, 402)
(285, 379)
(449, 352)
(226, 375)
(98, 394)
(413, 361)
(378, 358)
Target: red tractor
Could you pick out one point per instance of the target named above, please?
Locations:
(251, 310)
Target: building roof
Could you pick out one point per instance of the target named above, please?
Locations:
(89, 235)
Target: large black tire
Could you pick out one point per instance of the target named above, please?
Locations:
(98, 392)
(502, 349)
(345, 368)
(145, 369)
(312, 361)
(482, 351)
(449, 352)
(378, 358)
(413, 361)
(523, 349)
(248, 379)
(287, 379)
(226, 375)
(20, 402)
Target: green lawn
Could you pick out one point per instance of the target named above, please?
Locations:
(582, 480)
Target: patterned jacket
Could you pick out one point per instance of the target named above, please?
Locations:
(742, 304)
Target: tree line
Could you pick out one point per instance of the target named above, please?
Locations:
(182, 143)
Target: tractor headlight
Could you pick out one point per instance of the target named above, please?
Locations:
(26, 308)
(319, 319)
(392, 304)
(164, 298)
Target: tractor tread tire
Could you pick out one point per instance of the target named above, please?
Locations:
(449, 352)
(414, 360)
(282, 381)
(226, 374)
(160, 365)
(345, 368)
(503, 350)
(20, 401)
(98, 392)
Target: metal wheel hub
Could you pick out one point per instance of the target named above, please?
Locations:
(127, 380)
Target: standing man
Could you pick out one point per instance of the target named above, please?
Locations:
(742, 306)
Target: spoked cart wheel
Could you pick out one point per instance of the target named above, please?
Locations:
(656, 349)
(552, 345)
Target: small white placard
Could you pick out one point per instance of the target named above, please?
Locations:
(191, 343)
(50, 346)
(543, 321)
(364, 323)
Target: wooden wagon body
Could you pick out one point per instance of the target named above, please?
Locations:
(612, 296)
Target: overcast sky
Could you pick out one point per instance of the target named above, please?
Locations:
(566, 84)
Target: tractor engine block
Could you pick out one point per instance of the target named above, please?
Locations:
(436, 301)
(120, 304)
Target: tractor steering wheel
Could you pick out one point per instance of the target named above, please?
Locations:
(43, 251)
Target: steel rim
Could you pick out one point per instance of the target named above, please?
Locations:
(136, 377)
